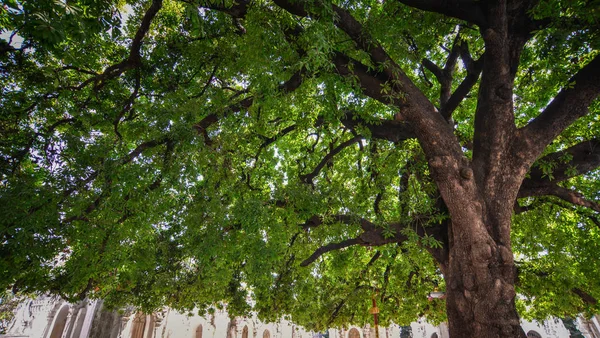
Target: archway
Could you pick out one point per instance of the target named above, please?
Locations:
(60, 321)
(199, 331)
(139, 324)
(533, 334)
(353, 333)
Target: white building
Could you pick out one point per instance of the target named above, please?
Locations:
(47, 317)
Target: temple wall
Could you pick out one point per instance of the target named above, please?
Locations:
(48, 317)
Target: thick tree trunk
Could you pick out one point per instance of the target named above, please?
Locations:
(480, 276)
(479, 268)
(480, 309)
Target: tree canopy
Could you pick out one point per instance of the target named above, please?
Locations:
(289, 157)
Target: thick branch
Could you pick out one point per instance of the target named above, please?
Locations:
(136, 44)
(467, 10)
(473, 72)
(390, 130)
(330, 247)
(560, 192)
(418, 114)
(494, 126)
(445, 76)
(238, 10)
(432, 67)
(586, 297)
(374, 235)
(370, 81)
(134, 58)
(143, 146)
(571, 103)
(584, 157)
(428, 124)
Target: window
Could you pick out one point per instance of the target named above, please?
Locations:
(533, 334)
(199, 331)
(353, 333)
(266, 334)
(245, 332)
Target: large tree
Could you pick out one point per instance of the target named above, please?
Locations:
(301, 157)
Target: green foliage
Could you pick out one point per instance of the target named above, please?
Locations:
(111, 187)
(8, 306)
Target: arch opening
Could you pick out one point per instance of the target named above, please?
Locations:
(353, 333)
(533, 334)
(60, 321)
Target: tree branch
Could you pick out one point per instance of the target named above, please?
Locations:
(404, 88)
(316, 221)
(134, 58)
(208, 82)
(309, 177)
(433, 68)
(124, 160)
(374, 235)
(584, 157)
(586, 297)
(270, 140)
(287, 87)
(571, 103)
(473, 71)
(467, 10)
(330, 247)
(237, 10)
(445, 76)
(560, 192)
(128, 105)
(143, 146)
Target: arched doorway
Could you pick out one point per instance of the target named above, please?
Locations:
(266, 334)
(139, 324)
(353, 333)
(60, 321)
(199, 331)
(533, 334)
(245, 332)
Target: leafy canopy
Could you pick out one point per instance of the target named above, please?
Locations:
(197, 153)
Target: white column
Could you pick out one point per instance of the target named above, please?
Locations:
(71, 318)
(87, 321)
(595, 325)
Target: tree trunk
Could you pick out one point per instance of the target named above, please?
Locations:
(480, 276)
